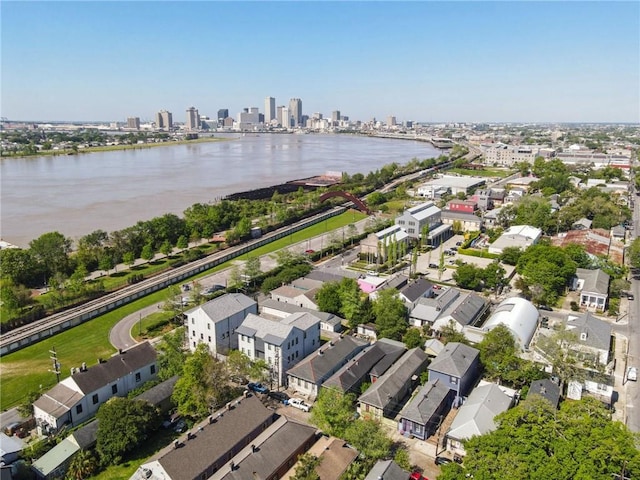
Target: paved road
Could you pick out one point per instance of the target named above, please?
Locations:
(120, 334)
(9, 417)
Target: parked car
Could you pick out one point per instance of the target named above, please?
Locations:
(310, 251)
(417, 476)
(545, 307)
(372, 273)
(433, 265)
(172, 421)
(299, 404)
(632, 374)
(458, 244)
(212, 289)
(257, 387)
(12, 428)
(180, 427)
(186, 287)
(279, 396)
(630, 296)
(443, 460)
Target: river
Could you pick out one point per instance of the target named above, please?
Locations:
(78, 194)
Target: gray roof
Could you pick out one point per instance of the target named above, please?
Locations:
(318, 366)
(397, 282)
(476, 416)
(467, 217)
(425, 403)
(382, 392)
(283, 439)
(455, 359)
(595, 281)
(463, 307)
(413, 291)
(378, 356)
(598, 332)
(301, 320)
(331, 274)
(271, 331)
(160, 392)
(393, 351)
(55, 457)
(328, 318)
(59, 400)
(387, 470)
(215, 440)
(86, 435)
(583, 222)
(546, 389)
(116, 367)
(225, 306)
(433, 345)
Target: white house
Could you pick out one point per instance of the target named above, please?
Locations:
(78, 397)
(594, 288)
(282, 344)
(521, 236)
(216, 321)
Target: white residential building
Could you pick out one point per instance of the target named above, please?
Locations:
(449, 184)
(215, 322)
(414, 219)
(282, 344)
(77, 398)
(520, 236)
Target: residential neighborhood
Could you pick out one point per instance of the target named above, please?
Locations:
(401, 353)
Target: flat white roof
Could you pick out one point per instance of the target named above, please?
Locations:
(451, 181)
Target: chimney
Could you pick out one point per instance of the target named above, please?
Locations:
(84, 366)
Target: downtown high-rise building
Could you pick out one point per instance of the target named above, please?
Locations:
(285, 119)
(295, 111)
(193, 119)
(222, 114)
(133, 123)
(269, 109)
(164, 120)
(335, 116)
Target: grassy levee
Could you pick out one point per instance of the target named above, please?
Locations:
(24, 371)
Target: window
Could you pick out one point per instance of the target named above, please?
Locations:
(193, 332)
(202, 336)
(94, 399)
(208, 326)
(79, 409)
(138, 378)
(194, 344)
(193, 321)
(152, 369)
(114, 388)
(209, 337)
(453, 380)
(297, 340)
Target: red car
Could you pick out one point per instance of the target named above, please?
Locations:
(417, 476)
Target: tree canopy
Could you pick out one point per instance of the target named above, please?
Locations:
(533, 440)
(391, 315)
(123, 425)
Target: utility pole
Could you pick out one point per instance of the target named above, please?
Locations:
(55, 363)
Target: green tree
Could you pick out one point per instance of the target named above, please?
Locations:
(510, 255)
(468, 276)
(369, 438)
(26, 409)
(252, 268)
(171, 354)
(166, 248)
(306, 468)
(560, 354)
(533, 440)
(51, 253)
(494, 275)
(123, 424)
(182, 242)
(129, 258)
(238, 364)
(498, 352)
(350, 299)
(441, 266)
(328, 298)
(390, 314)
(333, 411)
(83, 465)
(413, 338)
(449, 333)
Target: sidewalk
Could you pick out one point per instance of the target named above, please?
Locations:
(620, 354)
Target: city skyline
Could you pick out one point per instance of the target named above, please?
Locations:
(419, 61)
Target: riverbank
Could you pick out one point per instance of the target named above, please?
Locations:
(114, 148)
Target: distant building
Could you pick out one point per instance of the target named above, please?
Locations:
(507, 155)
(164, 120)
(520, 236)
(269, 109)
(223, 114)
(193, 119)
(391, 121)
(295, 110)
(434, 189)
(594, 288)
(414, 219)
(133, 123)
(335, 116)
(377, 244)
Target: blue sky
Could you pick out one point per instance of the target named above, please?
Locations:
(421, 61)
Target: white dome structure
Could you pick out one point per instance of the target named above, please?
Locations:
(519, 316)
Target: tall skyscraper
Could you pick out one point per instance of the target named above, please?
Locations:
(269, 109)
(222, 114)
(164, 120)
(279, 115)
(286, 118)
(193, 119)
(295, 110)
(391, 121)
(133, 122)
(335, 116)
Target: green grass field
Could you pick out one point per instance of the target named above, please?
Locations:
(485, 172)
(27, 369)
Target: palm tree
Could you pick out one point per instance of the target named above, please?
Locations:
(83, 465)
